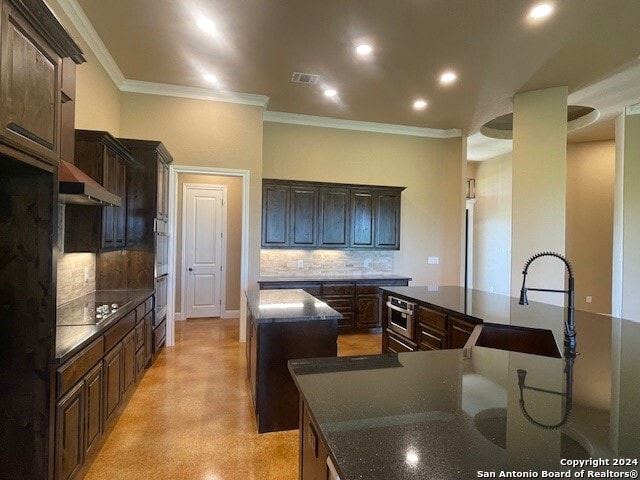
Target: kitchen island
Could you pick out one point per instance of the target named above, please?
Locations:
(476, 412)
(284, 325)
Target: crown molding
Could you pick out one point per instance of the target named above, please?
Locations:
(327, 122)
(168, 90)
(90, 36)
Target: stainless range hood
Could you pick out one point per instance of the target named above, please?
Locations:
(78, 188)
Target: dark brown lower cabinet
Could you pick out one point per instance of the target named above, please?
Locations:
(148, 335)
(70, 432)
(398, 344)
(313, 453)
(459, 332)
(93, 427)
(113, 363)
(128, 361)
(368, 305)
(430, 338)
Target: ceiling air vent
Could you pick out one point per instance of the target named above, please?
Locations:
(307, 78)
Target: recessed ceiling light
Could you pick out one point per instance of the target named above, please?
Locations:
(540, 10)
(330, 92)
(364, 49)
(420, 104)
(207, 25)
(210, 78)
(448, 77)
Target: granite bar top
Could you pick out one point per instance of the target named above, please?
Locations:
(453, 413)
(75, 328)
(288, 305)
(354, 278)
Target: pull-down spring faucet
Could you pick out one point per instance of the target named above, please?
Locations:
(569, 324)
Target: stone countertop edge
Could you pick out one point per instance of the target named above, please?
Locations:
(289, 305)
(91, 332)
(355, 278)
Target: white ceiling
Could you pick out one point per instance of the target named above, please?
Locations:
(591, 46)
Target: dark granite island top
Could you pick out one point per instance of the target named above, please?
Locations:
(289, 305)
(75, 321)
(354, 278)
(457, 414)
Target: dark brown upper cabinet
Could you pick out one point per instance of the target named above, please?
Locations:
(334, 217)
(275, 215)
(93, 229)
(328, 215)
(304, 216)
(32, 87)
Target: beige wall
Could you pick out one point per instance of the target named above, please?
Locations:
(539, 189)
(492, 226)
(590, 179)
(234, 234)
(205, 134)
(97, 97)
(323, 154)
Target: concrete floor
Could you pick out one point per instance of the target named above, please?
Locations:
(191, 416)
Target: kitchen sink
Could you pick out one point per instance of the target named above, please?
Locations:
(535, 341)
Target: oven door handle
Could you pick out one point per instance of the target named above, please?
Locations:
(398, 309)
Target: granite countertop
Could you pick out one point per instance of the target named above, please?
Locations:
(287, 305)
(75, 327)
(453, 413)
(356, 278)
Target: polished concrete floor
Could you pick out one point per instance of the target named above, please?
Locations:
(191, 416)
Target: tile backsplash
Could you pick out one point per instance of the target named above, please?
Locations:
(71, 276)
(322, 262)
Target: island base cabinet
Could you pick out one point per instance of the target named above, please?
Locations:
(274, 394)
(313, 452)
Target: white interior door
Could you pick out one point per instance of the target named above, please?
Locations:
(203, 253)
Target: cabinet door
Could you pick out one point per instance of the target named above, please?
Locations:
(362, 219)
(387, 231)
(70, 432)
(112, 381)
(128, 361)
(162, 194)
(120, 213)
(109, 181)
(304, 217)
(30, 79)
(93, 427)
(148, 337)
(314, 453)
(368, 310)
(275, 215)
(334, 217)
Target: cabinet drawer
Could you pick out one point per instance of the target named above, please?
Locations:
(460, 331)
(432, 318)
(430, 339)
(397, 344)
(338, 289)
(73, 370)
(119, 330)
(340, 304)
(148, 305)
(364, 289)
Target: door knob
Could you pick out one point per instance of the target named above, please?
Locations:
(190, 269)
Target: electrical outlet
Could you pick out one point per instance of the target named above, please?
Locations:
(367, 263)
(300, 263)
(589, 299)
(433, 260)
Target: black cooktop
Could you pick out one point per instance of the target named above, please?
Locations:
(91, 309)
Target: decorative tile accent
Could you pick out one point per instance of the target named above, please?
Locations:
(71, 282)
(318, 262)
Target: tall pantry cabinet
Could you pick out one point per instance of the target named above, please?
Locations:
(149, 198)
(37, 85)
